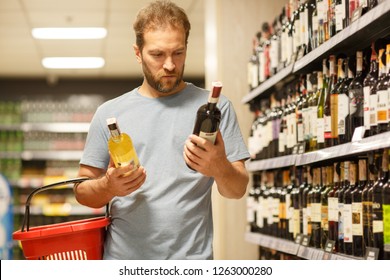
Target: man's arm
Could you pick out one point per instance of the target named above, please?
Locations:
(105, 185)
(210, 160)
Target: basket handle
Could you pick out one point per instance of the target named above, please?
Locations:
(26, 218)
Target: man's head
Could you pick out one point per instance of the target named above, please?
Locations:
(160, 14)
(162, 30)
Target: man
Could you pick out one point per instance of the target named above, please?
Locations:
(165, 214)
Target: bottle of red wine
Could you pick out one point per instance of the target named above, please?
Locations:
(208, 116)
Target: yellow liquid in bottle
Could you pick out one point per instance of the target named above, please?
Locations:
(122, 151)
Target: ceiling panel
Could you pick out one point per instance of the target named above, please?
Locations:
(21, 55)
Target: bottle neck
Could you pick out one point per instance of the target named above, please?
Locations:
(115, 134)
(214, 97)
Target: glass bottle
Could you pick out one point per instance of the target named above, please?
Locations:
(377, 202)
(356, 95)
(333, 206)
(382, 95)
(315, 211)
(320, 112)
(369, 82)
(343, 105)
(357, 210)
(348, 237)
(386, 220)
(344, 177)
(327, 183)
(327, 108)
(313, 103)
(333, 92)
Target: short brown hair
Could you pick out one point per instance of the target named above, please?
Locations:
(160, 14)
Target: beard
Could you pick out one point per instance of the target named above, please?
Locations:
(158, 84)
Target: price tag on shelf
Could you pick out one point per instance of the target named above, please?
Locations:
(298, 239)
(329, 246)
(372, 253)
(305, 240)
(358, 134)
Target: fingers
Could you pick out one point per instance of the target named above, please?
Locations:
(125, 180)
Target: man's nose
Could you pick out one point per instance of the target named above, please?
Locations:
(168, 64)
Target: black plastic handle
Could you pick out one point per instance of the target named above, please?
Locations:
(26, 218)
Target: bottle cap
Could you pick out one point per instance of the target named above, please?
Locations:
(216, 90)
(111, 122)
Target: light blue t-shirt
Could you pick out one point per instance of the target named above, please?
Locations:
(169, 217)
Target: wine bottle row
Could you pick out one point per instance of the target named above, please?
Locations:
(346, 204)
(348, 99)
(302, 26)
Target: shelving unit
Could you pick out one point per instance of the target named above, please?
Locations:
(365, 145)
(356, 36)
(293, 248)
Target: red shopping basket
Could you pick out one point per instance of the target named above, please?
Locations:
(76, 240)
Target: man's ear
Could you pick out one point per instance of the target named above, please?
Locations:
(137, 52)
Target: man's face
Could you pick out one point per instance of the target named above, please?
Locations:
(163, 58)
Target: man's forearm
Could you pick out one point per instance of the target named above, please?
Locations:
(233, 180)
(92, 193)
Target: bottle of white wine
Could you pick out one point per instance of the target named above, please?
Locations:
(121, 146)
(208, 116)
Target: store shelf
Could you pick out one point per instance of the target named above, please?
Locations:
(358, 35)
(293, 248)
(365, 145)
(268, 84)
(63, 127)
(51, 155)
(271, 163)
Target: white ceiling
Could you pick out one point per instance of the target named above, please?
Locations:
(21, 55)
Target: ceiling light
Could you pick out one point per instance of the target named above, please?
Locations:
(69, 33)
(73, 62)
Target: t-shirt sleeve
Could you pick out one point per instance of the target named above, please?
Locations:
(234, 144)
(96, 150)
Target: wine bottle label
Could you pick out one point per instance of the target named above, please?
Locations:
(366, 107)
(357, 218)
(275, 210)
(377, 226)
(296, 222)
(347, 213)
(313, 121)
(356, 102)
(316, 212)
(289, 207)
(367, 209)
(382, 109)
(306, 123)
(300, 132)
(342, 114)
(333, 209)
(304, 220)
(324, 217)
(373, 109)
(282, 210)
(327, 127)
(320, 130)
(315, 24)
(340, 15)
(209, 136)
